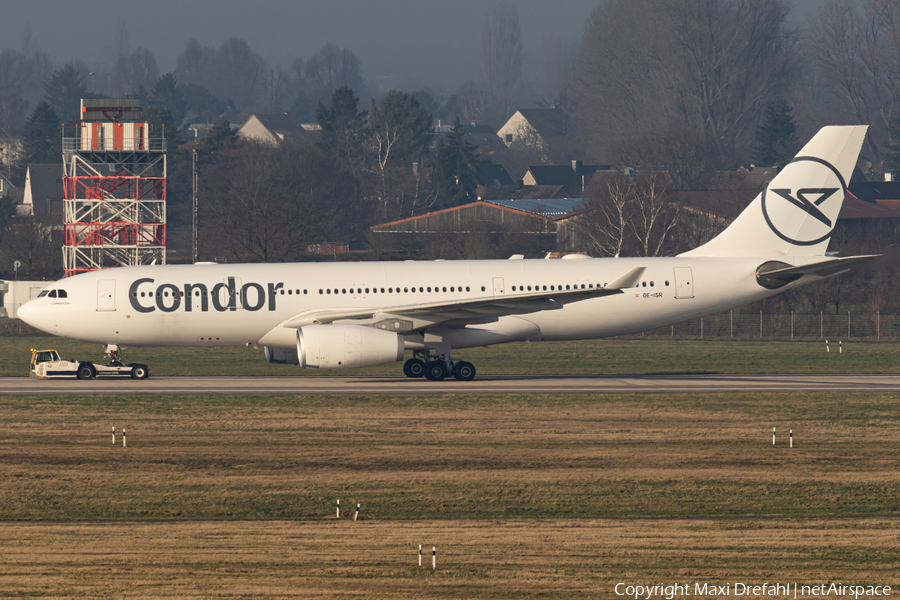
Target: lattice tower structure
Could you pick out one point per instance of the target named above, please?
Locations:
(114, 207)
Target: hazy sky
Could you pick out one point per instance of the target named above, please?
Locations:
(406, 43)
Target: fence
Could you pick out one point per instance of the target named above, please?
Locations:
(744, 325)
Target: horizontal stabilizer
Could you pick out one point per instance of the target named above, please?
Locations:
(775, 274)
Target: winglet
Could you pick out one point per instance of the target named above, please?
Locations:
(629, 280)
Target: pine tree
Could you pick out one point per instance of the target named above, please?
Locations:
(166, 93)
(455, 174)
(404, 117)
(65, 89)
(344, 131)
(43, 136)
(775, 140)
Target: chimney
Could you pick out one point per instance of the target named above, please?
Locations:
(576, 165)
(892, 175)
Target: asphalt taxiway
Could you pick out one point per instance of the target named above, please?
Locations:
(539, 384)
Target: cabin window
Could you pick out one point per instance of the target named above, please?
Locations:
(320, 292)
(529, 288)
(467, 288)
(304, 292)
(667, 283)
(329, 290)
(651, 284)
(482, 288)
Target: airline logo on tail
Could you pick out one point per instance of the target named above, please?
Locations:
(805, 216)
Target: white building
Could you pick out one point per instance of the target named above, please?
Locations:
(14, 294)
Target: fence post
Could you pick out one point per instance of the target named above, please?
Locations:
(792, 324)
(821, 324)
(760, 324)
(732, 323)
(701, 328)
(878, 325)
(848, 324)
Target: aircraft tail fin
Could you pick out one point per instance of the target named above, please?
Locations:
(797, 212)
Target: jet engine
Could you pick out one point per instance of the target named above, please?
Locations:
(346, 346)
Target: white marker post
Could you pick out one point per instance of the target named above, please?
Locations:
(338, 514)
(773, 436)
(124, 444)
(420, 555)
(827, 351)
(356, 514)
(433, 558)
(792, 438)
(840, 347)
(114, 434)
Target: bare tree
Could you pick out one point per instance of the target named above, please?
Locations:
(501, 49)
(855, 47)
(650, 66)
(629, 215)
(655, 215)
(266, 204)
(331, 68)
(604, 225)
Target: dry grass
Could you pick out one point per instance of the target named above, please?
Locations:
(476, 559)
(524, 495)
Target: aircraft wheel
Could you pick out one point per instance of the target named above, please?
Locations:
(139, 372)
(464, 371)
(86, 371)
(435, 371)
(414, 368)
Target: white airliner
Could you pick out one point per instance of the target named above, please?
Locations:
(347, 315)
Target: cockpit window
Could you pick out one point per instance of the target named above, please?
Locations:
(42, 294)
(63, 294)
(52, 293)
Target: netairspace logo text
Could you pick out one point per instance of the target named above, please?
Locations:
(747, 590)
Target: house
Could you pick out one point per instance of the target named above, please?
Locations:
(5, 185)
(43, 191)
(533, 127)
(273, 129)
(573, 178)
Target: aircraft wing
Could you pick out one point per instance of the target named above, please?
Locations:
(476, 310)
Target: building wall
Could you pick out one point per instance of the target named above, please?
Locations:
(14, 294)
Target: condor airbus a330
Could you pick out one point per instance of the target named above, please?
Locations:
(347, 315)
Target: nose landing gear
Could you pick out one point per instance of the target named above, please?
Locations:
(437, 368)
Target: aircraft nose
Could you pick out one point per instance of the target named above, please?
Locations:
(34, 314)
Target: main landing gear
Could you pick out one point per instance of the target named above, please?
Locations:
(437, 368)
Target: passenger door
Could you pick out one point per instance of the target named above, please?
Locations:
(684, 282)
(106, 295)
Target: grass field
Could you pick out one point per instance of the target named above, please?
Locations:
(523, 495)
(612, 357)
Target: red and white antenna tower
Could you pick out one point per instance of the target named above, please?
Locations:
(115, 188)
